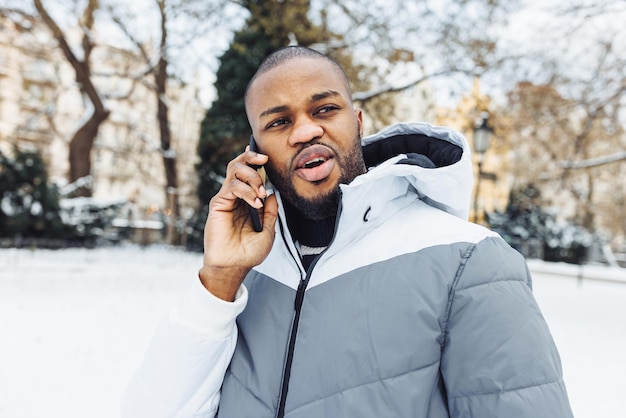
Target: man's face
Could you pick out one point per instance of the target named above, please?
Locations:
(302, 117)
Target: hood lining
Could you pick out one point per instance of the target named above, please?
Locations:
(442, 153)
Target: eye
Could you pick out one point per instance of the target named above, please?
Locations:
(326, 109)
(277, 122)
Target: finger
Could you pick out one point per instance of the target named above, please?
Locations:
(254, 158)
(270, 213)
(230, 195)
(241, 182)
(253, 176)
(242, 190)
(250, 176)
(250, 157)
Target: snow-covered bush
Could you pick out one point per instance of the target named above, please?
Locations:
(33, 212)
(92, 218)
(29, 205)
(536, 232)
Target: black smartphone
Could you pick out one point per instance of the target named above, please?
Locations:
(254, 213)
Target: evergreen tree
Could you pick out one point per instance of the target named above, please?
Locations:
(29, 206)
(536, 233)
(225, 131)
(523, 219)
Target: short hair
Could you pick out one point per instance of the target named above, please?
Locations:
(287, 53)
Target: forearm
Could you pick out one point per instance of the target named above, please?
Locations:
(183, 368)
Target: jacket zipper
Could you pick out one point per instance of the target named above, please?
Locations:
(294, 325)
(292, 343)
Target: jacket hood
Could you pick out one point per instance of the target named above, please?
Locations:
(436, 161)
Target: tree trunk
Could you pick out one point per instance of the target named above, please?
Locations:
(171, 176)
(80, 150)
(81, 143)
(169, 158)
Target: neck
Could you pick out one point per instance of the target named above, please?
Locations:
(312, 235)
(309, 232)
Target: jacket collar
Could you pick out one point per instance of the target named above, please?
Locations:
(447, 186)
(397, 175)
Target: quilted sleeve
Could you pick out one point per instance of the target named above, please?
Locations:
(182, 370)
(499, 358)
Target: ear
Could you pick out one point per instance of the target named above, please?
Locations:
(359, 118)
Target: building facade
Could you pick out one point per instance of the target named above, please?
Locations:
(41, 107)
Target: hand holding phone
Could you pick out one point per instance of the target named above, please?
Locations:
(231, 247)
(254, 213)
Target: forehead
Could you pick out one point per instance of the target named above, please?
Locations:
(297, 78)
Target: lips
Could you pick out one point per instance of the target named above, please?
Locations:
(315, 163)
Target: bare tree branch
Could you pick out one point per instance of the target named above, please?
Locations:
(389, 88)
(80, 67)
(594, 162)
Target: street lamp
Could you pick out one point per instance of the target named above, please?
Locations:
(482, 140)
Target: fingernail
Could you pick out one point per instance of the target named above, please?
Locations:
(262, 190)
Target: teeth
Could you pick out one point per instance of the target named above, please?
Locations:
(314, 163)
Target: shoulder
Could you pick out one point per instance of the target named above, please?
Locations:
(433, 226)
(491, 260)
(483, 255)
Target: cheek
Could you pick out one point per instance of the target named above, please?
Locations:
(276, 174)
(276, 164)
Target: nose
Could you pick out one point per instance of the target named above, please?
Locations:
(305, 131)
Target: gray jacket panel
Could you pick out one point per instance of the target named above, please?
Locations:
(408, 337)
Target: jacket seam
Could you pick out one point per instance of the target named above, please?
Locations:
(501, 392)
(492, 282)
(454, 289)
(452, 292)
(247, 389)
(367, 383)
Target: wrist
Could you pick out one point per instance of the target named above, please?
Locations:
(222, 282)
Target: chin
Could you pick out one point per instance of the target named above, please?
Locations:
(313, 189)
(315, 201)
(319, 205)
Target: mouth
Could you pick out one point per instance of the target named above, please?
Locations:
(315, 163)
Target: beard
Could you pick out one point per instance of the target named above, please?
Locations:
(325, 205)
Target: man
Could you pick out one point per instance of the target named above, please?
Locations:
(366, 294)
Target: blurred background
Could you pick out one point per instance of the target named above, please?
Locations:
(117, 120)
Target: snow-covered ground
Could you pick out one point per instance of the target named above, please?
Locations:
(75, 323)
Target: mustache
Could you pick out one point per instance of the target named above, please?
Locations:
(304, 146)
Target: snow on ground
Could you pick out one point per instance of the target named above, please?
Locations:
(75, 323)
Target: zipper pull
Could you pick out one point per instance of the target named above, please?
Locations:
(297, 304)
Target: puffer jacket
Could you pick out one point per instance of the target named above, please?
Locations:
(411, 311)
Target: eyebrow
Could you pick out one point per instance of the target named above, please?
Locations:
(324, 95)
(315, 98)
(272, 110)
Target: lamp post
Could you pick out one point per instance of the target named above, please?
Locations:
(482, 140)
